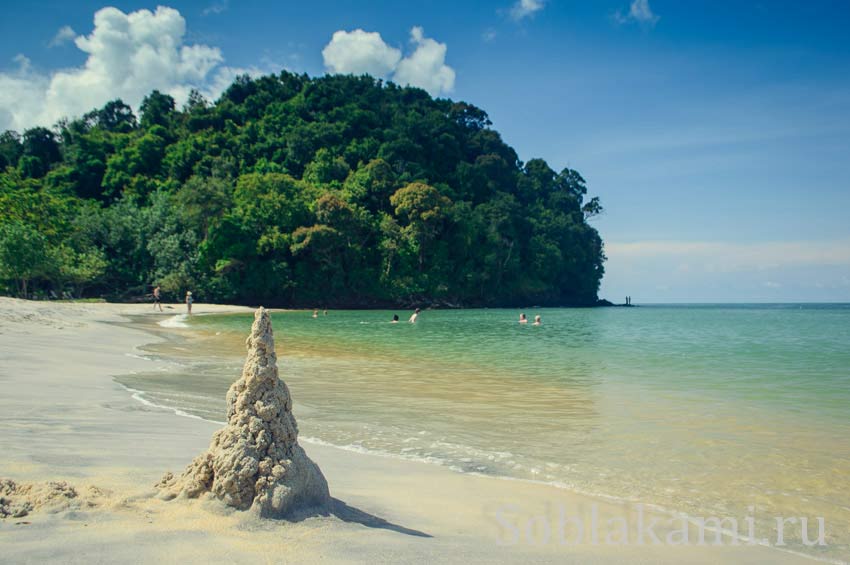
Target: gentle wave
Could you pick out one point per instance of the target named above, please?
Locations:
(139, 396)
(142, 357)
(177, 321)
(448, 464)
(564, 486)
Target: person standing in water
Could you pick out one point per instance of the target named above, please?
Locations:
(189, 301)
(414, 316)
(395, 319)
(326, 311)
(522, 318)
(315, 312)
(537, 320)
(157, 296)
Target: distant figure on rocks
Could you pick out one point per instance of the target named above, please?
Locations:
(157, 296)
(414, 316)
(395, 319)
(523, 319)
(189, 301)
(537, 320)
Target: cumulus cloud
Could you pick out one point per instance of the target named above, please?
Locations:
(21, 95)
(525, 8)
(63, 36)
(426, 67)
(639, 12)
(128, 56)
(360, 52)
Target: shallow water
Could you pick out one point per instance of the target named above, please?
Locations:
(711, 410)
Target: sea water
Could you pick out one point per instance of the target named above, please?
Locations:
(712, 410)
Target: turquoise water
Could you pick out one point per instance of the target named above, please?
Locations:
(708, 410)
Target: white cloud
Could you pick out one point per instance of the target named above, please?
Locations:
(64, 35)
(216, 8)
(639, 11)
(128, 56)
(426, 66)
(359, 52)
(21, 95)
(732, 257)
(525, 8)
(715, 271)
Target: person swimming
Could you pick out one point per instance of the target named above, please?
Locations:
(414, 316)
(523, 319)
(395, 319)
(537, 320)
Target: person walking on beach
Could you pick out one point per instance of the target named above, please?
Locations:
(157, 296)
(414, 316)
(189, 301)
(522, 318)
(537, 320)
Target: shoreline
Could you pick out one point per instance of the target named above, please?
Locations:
(593, 496)
(97, 432)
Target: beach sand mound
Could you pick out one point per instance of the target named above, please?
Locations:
(255, 462)
(20, 499)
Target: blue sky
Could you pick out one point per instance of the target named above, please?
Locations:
(717, 134)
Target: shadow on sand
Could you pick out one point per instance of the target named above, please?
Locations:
(342, 511)
(348, 513)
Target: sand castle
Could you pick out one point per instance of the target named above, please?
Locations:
(255, 462)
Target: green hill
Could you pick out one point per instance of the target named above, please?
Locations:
(294, 191)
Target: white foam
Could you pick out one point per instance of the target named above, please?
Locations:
(142, 357)
(193, 416)
(178, 321)
(139, 396)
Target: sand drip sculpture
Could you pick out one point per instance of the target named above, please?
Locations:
(255, 461)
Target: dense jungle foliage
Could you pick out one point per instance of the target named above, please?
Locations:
(293, 191)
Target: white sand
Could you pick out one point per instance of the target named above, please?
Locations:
(62, 417)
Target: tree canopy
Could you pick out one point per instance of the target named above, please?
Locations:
(294, 191)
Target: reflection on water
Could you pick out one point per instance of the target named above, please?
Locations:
(703, 410)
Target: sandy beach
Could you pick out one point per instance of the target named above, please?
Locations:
(64, 418)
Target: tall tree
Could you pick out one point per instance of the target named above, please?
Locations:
(40, 150)
(23, 255)
(157, 110)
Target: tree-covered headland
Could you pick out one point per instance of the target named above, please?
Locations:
(293, 191)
